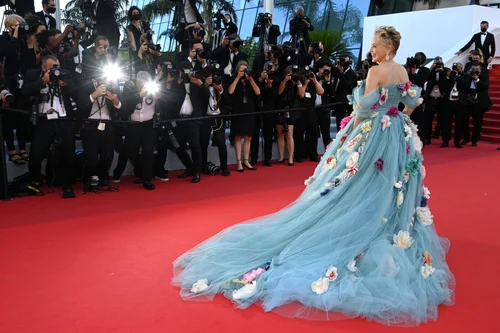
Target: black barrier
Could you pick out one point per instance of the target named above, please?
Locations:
(4, 194)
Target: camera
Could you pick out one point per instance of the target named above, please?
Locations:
(201, 53)
(249, 72)
(472, 96)
(471, 72)
(264, 18)
(112, 50)
(56, 74)
(24, 27)
(211, 169)
(7, 95)
(439, 65)
(216, 79)
(153, 46)
(199, 32)
(326, 72)
(317, 47)
(236, 43)
(454, 67)
(411, 63)
(219, 17)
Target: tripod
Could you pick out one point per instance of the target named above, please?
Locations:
(262, 37)
(300, 46)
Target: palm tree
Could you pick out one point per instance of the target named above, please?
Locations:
(333, 42)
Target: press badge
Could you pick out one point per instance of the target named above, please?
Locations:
(78, 69)
(101, 126)
(52, 115)
(308, 95)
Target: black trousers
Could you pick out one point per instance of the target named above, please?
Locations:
(477, 114)
(417, 116)
(20, 123)
(141, 136)
(305, 135)
(99, 150)
(189, 131)
(324, 122)
(432, 107)
(452, 111)
(266, 122)
(216, 126)
(45, 133)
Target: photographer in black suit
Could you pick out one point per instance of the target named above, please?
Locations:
(436, 85)
(266, 31)
(330, 79)
(454, 105)
(484, 41)
(45, 16)
(227, 55)
(300, 26)
(51, 88)
(100, 103)
(418, 75)
(473, 93)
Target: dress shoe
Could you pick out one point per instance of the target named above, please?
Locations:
(248, 165)
(314, 159)
(186, 174)
(458, 145)
(253, 162)
(299, 160)
(148, 185)
(138, 181)
(444, 145)
(290, 164)
(267, 163)
(196, 177)
(225, 172)
(464, 142)
(474, 144)
(68, 192)
(161, 175)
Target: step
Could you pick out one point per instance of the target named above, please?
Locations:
(490, 130)
(494, 93)
(494, 113)
(490, 122)
(490, 138)
(495, 100)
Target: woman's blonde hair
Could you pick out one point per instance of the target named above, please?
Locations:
(389, 36)
(13, 19)
(239, 64)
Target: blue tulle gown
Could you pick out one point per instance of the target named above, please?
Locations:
(359, 241)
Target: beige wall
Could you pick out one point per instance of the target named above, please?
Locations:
(451, 3)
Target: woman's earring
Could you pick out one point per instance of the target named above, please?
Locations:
(387, 57)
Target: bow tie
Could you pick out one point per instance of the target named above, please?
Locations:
(47, 15)
(483, 33)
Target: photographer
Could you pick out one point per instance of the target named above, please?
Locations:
(474, 56)
(51, 87)
(452, 109)
(223, 26)
(315, 56)
(330, 79)
(103, 13)
(197, 38)
(474, 95)
(300, 26)
(227, 55)
(418, 75)
(139, 99)
(436, 84)
(243, 91)
(97, 57)
(215, 101)
(136, 29)
(266, 31)
(271, 54)
(45, 16)
(65, 50)
(12, 43)
(269, 84)
(100, 103)
(289, 99)
(147, 55)
(306, 127)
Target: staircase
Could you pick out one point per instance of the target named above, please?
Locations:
(491, 122)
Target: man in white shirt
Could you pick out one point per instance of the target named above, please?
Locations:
(49, 8)
(49, 87)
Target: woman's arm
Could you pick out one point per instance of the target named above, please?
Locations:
(254, 85)
(233, 85)
(132, 40)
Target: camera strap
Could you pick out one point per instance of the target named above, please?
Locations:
(99, 106)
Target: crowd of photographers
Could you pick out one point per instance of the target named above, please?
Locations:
(72, 87)
(68, 85)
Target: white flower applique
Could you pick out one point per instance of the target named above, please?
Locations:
(309, 181)
(386, 122)
(320, 286)
(400, 198)
(402, 239)
(427, 268)
(426, 193)
(424, 215)
(245, 292)
(199, 286)
(408, 133)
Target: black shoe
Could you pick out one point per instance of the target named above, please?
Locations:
(444, 145)
(186, 174)
(196, 178)
(225, 172)
(148, 185)
(68, 192)
(474, 144)
(267, 163)
(115, 179)
(314, 159)
(253, 162)
(299, 160)
(464, 142)
(458, 145)
(247, 166)
(104, 183)
(161, 175)
(138, 181)
(290, 164)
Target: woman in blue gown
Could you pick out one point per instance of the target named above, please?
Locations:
(359, 241)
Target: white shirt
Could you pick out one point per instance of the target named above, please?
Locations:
(483, 38)
(78, 58)
(102, 114)
(47, 19)
(96, 4)
(319, 99)
(43, 108)
(212, 109)
(229, 68)
(189, 13)
(145, 113)
(187, 106)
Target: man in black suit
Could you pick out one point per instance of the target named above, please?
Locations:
(473, 93)
(103, 12)
(49, 8)
(418, 75)
(197, 37)
(52, 97)
(266, 31)
(454, 105)
(185, 14)
(228, 55)
(482, 40)
(300, 26)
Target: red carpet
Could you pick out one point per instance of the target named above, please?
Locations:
(102, 262)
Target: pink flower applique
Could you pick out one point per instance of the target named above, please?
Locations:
(345, 121)
(353, 170)
(249, 277)
(408, 85)
(375, 106)
(384, 93)
(393, 111)
(408, 148)
(379, 164)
